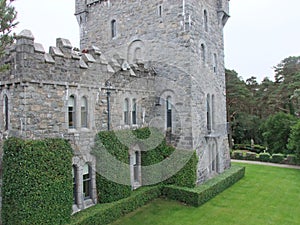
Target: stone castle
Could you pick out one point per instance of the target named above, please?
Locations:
(140, 63)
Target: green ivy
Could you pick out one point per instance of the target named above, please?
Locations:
(116, 142)
(105, 187)
(37, 182)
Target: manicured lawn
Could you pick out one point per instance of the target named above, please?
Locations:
(266, 195)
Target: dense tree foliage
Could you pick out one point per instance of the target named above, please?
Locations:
(276, 130)
(8, 16)
(265, 112)
(7, 23)
(294, 140)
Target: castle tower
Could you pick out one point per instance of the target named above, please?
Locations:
(183, 41)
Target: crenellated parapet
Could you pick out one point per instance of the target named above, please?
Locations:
(63, 63)
(39, 84)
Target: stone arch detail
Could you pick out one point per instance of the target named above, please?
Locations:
(136, 52)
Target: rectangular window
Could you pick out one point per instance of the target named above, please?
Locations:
(6, 119)
(113, 28)
(71, 111)
(159, 10)
(126, 112)
(169, 112)
(83, 112)
(134, 111)
(136, 167)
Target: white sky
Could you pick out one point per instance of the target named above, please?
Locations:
(259, 34)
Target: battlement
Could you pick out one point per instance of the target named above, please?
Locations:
(28, 60)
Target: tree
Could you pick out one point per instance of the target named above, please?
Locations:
(294, 139)
(237, 97)
(276, 130)
(287, 80)
(245, 127)
(7, 23)
(237, 94)
(266, 99)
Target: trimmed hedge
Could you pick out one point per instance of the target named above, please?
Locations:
(292, 159)
(264, 157)
(248, 147)
(277, 158)
(251, 156)
(203, 193)
(187, 176)
(237, 154)
(107, 213)
(37, 182)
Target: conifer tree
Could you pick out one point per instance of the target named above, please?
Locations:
(7, 23)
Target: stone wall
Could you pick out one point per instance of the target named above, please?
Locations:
(183, 40)
(154, 53)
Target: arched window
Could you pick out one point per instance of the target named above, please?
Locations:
(71, 111)
(208, 116)
(113, 28)
(133, 112)
(203, 53)
(87, 181)
(169, 111)
(6, 118)
(126, 112)
(84, 112)
(205, 19)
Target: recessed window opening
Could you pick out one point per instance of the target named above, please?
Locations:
(86, 179)
(203, 53)
(6, 119)
(133, 111)
(169, 112)
(159, 10)
(205, 20)
(84, 112)
(136, 167)
(113, 28)
(213, 112)
(126, 112)
(208, 116)
(215, 63)
(71, 111)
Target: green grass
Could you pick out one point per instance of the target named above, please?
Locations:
(266, 195)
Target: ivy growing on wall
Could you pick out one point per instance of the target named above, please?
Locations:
(37, 182)
(108, 190)
(116, 144)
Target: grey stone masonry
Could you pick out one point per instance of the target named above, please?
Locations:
(183, 40)
(141, 63)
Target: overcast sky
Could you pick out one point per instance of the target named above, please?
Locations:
(258, 35)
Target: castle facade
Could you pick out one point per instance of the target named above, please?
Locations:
(141, 63)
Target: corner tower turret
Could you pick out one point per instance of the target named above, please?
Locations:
(183, 42)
